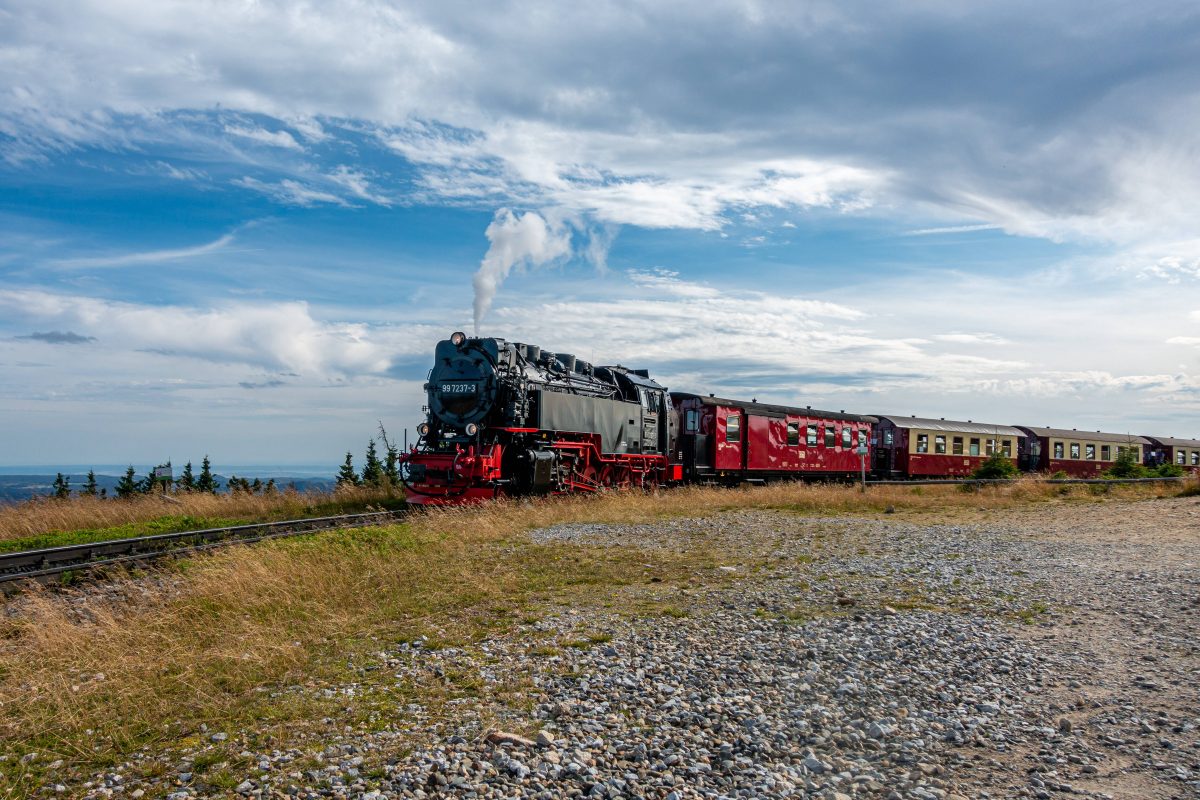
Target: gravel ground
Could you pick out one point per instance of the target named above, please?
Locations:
(1037, 653)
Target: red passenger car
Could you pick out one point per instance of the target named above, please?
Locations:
(918, 447)
(728, 441)
(1183, 453)
(1080, 454)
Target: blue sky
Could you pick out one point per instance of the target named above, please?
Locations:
(240, 228)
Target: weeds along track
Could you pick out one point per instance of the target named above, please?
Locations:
(48, 563)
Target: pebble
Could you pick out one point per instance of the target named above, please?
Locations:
(950, 675)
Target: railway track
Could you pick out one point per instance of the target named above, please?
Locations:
(43, 565)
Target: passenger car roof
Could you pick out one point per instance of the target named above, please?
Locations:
(951, 426)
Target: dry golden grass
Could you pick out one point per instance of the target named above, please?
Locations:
(47, 515)
(198, 647)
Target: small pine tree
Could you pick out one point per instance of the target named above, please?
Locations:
(372, 474)
(90, 488)
(270, 488)
(206, 482)
(127, 486)
(997, 465)
(391, 467)
(186, 481)
(346, 475)
(257, 486)
(62, 487)
(1126, 466)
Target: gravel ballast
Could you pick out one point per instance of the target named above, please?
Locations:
(1048, 653)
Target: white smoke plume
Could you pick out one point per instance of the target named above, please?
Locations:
(516, 239)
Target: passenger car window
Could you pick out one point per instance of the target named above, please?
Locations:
(733, 428)
(1105, 452)
(1075, 450)
(1089, 452)
(793, 429)
(922, 442)
(846, 437)
(1008, 447)
(887, 437)
(830, 435)
(974, 447)
(811, 439)
(939, 444)
(1195, 457)
(958, 445)
(1058, 449)
(1179, 454)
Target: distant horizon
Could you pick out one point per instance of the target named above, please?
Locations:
(113, 469)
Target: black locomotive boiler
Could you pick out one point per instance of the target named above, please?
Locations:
(505, 418)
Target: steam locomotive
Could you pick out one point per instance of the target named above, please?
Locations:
(505, 418)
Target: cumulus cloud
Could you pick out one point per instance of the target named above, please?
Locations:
(1002, 117)
(516, 239)
(279, 336)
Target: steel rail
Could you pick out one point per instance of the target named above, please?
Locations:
(1002, 481)
(51, 561)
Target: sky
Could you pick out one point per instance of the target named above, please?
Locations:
(239, 228)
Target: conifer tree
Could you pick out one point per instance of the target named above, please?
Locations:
(127, 486)
(206, 482)
(62, 487)
(391, 467)
(270, 488)
(346, 475)
(257, 486)
(186, 481)
(89, 488)
(372, 474)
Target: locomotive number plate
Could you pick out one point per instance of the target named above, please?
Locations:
(458, 388)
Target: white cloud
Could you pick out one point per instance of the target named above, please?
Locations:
(970, 338)
(356, 183)
(280, 336)
(150, 257)
(291, 192)
(1193, 341)
(273, 138)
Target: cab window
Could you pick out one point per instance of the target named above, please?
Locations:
(690, 420)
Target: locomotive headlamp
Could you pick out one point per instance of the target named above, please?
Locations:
(472, 429)
(423, 429)
(457, 338)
